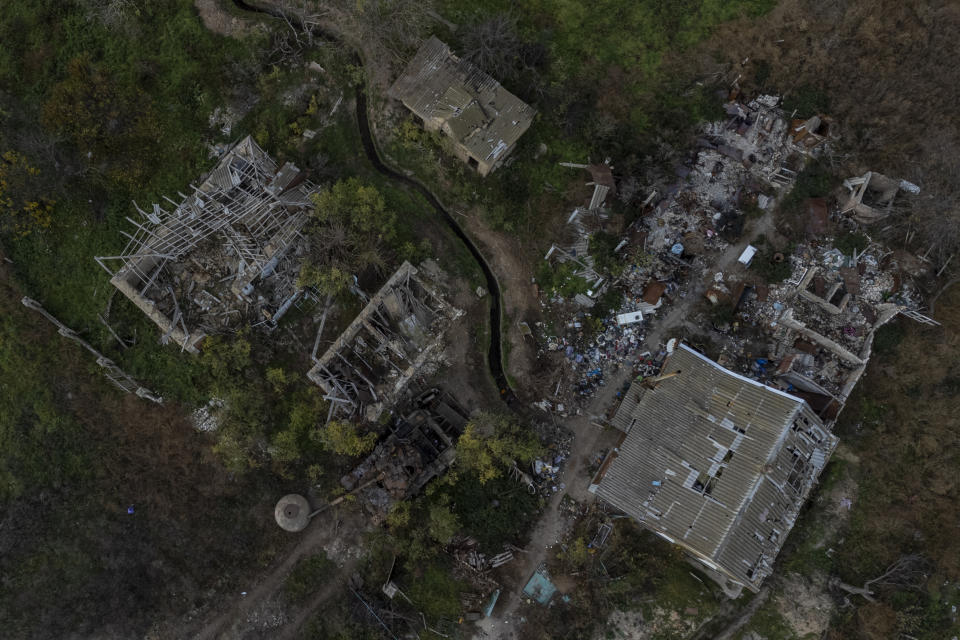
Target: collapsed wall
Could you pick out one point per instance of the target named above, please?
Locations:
(225, 254)
(394, 338)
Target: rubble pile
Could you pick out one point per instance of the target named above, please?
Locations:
(589, 359)
(742, 162)
(822, 320)
(420, 446)
(467, 552)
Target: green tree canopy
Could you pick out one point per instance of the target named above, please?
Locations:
(353, 230)
(344, 439)
(493, 442)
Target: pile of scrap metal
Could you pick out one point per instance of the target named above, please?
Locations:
(419, 447)
(467, 552)
(396, 337)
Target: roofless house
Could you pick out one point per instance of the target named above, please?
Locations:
(481, 118)
(223, 254)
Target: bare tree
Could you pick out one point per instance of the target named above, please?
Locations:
(908, 572)
(397, 26)
(493, 45)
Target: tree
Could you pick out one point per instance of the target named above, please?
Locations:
(493, 45)
(399, 516)
(493, 442)
(395, 25)
(226, 360)
(909, 572)
(344, 439)
(358, 206)
(443, 523)
(328, 280)
(576, 554)
(352, 231)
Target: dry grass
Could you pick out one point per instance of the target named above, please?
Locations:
(890, 75)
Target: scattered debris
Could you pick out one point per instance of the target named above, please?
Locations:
(224, 254)
(539, 587)
(111, 371)
(872, 196)
(206, 418)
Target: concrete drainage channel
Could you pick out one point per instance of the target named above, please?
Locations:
(495, 353)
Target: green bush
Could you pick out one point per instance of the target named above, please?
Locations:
(559, 279)
(807, 101)
(887, 338)
(849, 242)
(771, 271)
(814, 181)
(602, 247)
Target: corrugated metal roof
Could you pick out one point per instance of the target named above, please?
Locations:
(436, 83)
(717, 462)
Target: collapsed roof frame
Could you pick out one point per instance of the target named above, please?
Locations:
(386, 340)
(256, 208)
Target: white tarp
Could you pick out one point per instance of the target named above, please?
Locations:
(629, 318)
(747, 254)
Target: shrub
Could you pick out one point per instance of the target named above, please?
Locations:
(848, 242)
(344, 439)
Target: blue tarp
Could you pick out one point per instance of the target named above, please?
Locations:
(493, 600)
(539, 587)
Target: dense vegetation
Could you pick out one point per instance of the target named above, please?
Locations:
(615, 93)
(119, 516)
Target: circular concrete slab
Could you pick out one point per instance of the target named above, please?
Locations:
(292, 512)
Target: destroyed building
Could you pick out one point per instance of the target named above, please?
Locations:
(747, 160)
(482, 119)
(223, 255)
(581, 225)
(823, 319)
(872, 196)
(419, 447)
(398, 335)
(716, 463)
